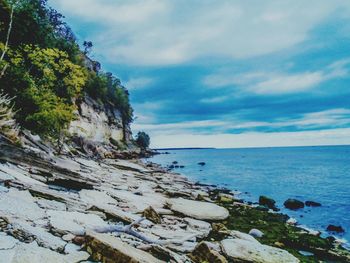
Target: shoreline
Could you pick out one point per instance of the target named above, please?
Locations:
(77, 207)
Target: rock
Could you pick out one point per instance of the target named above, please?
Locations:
(201, 163)
(198, 210)
(68, 237)
(20, 205)
(244, 248)
(269, 202)
(262, 208)
(204, 253)
(293, 204)
(28, 253)
(7, 242)
(312, 203)
(336, 229)
(106, 248)
(256, 233)
(292, 221)
(219, 228)
(201, 226)
(73, 222)
(152, 215)
(42, 236)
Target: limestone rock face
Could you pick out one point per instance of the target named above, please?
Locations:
(96, 122)
(198, 210)
(245, 248)
(107, 248)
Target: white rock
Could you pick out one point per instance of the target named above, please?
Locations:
(68, 237)
(34, 254)
(51, 204)
(256, 233)
(292, 221)
(198, 210)
(20, 205)
(198, 225)
(74, 222)
(7, 242)
(42, 237)
(247, 249)
(95, 198)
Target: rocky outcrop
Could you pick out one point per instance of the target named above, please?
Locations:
(244, 248)
(106, 248)
(268, 202)
(198, 210)
(98, 123)
(293, 204)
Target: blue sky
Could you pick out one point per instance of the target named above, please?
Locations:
(207, 73)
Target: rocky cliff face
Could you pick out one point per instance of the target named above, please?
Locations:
(98, 123)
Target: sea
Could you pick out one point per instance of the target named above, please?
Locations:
(320, 174)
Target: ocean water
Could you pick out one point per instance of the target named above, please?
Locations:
(320, 174)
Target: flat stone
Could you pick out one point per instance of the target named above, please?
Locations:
(198, 210)
(106, 248)
(94, 197)
(74, 222)
(245, 248)
(29, 253)
(42, 237)
(20, 205)
(7, 242)
(198, 225)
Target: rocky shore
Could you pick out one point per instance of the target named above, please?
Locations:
(80, 209)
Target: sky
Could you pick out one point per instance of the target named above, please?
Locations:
(225, 73)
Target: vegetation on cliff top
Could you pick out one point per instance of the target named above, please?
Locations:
(44, 70)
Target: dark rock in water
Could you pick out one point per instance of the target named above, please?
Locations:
(171, 166)
(336, 229)
(201, 163)
(262, 208)
(293, 204)
(269, 202)
(312, 203)
(175, 162)
(177, 166)
(182, 166)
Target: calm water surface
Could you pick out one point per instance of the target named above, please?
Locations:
(319, 174)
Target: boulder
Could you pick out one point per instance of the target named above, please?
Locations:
(244, 248)
(201, 163)
(293, 204)
(312, 203)
(107, 248)
(198, 210)
(256, 233)
(204, 253)
(266, 201)
(152, 215)
(336, 229)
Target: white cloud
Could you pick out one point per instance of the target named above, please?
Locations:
(137, 83)
(267, 83)
(162, 32)
(254, 139)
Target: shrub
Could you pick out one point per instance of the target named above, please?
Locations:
(142, 140)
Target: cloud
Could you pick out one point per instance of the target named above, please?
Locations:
(267, 83)
(137, 83)
(165, 32)
(255, 139)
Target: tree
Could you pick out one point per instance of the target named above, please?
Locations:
(87, 47)
(8, 125)
(142, 140)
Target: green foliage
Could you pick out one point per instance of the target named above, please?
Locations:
(142, 140)
(46, 72)
(46, 82)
